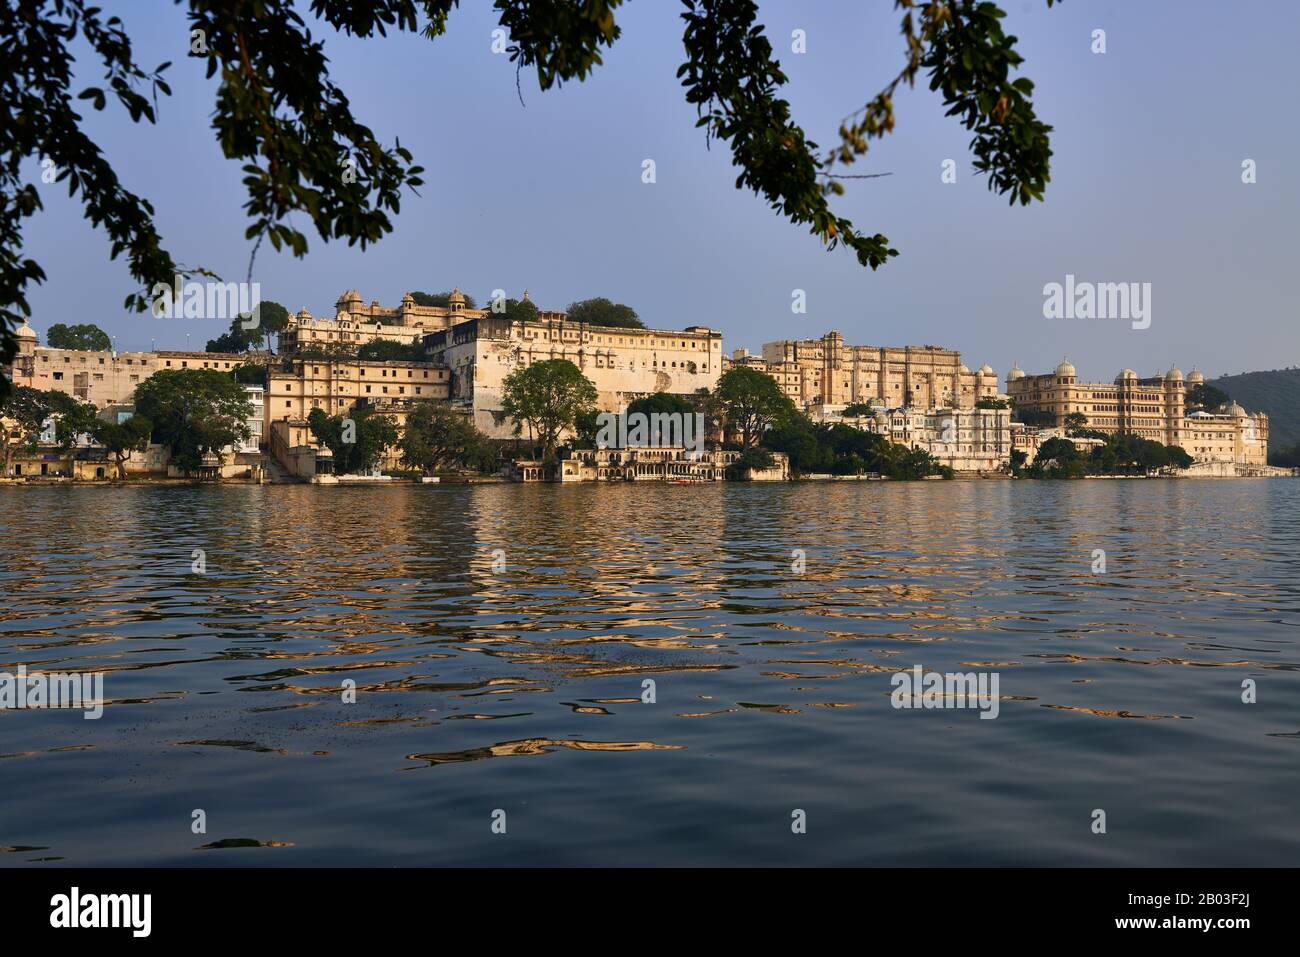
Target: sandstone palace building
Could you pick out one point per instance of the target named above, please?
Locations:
(103, 378)
(1153, 408)
(923, 397)
(355, 323)
(623, 364)
(826, 372)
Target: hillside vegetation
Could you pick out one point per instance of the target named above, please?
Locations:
(1276, 393)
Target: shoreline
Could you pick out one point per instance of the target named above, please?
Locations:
(457, 481)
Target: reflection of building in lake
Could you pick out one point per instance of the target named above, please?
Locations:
(641, 465)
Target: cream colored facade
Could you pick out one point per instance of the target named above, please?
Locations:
(643, 464)
(623, 364)
(102, 377)
(1029, 440)
(256, 422)
(965, 440)
(337, 387)
(1152, 408)
(827, 372)
(355, 323)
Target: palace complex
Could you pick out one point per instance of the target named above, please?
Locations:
(920, 396)
(355, 323)
(102, 377)
(623, 364)
(826, 372)
(1154, 408)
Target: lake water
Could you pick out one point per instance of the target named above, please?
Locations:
(519, 689)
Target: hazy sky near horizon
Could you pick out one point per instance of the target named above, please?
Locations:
(1146, 187)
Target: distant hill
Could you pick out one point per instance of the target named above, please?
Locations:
(1276, 393)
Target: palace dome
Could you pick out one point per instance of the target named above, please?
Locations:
(1125, 375)
(25, 331)
(986, 369)
(1195, 377)
(1174, 375)
(1065, 369)
(1015, 373)
(963, 369)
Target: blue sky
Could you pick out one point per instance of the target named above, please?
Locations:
(1146, 186)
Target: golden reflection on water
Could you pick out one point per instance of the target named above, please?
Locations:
(606, 586)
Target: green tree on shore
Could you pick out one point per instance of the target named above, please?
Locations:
(548, 396)
(194, 412)
(1116, 455)
(436, 438)
(120, 440)
(356, 440)
(25, 411)
(751, 401)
